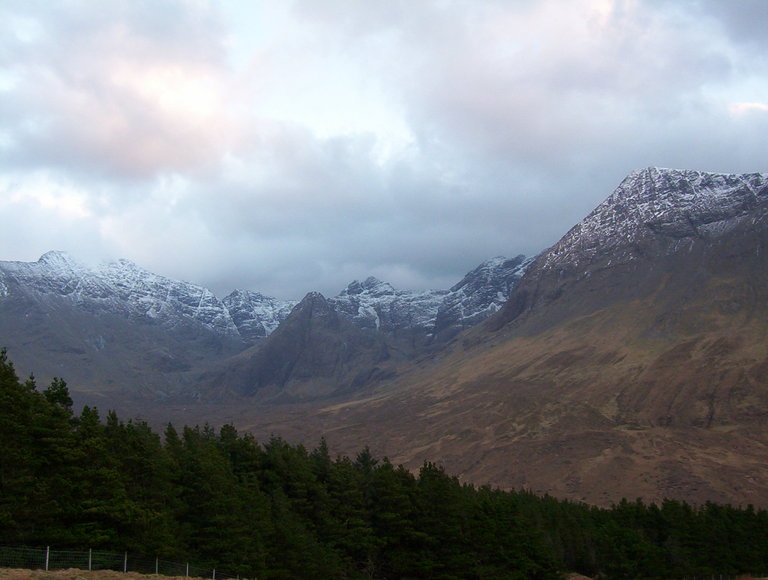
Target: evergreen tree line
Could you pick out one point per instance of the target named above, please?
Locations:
(276, 510)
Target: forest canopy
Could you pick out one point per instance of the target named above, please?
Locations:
(275, 510)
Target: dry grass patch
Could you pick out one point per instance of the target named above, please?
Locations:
(77, 574)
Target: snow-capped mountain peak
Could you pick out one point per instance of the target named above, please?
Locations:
(60, 260)
(371, 285)
(669, 203)
(478, 295)
(437, 314)
(119, 287)
(123, 288)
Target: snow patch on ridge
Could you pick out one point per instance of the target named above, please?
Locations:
(121, 287)
(480, 294)
(676, 204)
(256, 315)
(377, 305)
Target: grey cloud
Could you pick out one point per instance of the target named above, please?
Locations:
(544, 107)
(523, 120)
(338, 214)
(175, 28)
(77, 102)
(28, 231)
(744, 21)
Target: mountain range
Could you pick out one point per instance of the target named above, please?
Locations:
(120, 328)
(630, 359)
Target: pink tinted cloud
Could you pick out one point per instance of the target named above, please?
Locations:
(114, 95)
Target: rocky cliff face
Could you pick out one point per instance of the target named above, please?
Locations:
(255, 315)
(376, 305)
(412, 317)
(338, 345)
(316, 352)
(479, 295)
(433, 316)
(123, 288)
(653, 205)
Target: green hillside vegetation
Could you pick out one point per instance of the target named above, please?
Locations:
(275, 510)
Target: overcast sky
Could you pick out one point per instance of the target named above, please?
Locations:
(287, 146)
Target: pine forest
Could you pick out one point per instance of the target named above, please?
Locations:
(275, 510)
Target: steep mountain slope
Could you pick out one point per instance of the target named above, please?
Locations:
(331, 347)
(255, 315)
(112, 327)
(416, 319)
(317, 351)
(655, 222)
(407, 317)
(479, 295)
(630, 360)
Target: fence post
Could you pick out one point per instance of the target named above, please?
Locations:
(125, 563)
(214, 574)
(157, 563)
(90, 558)
(47, 556)
(187, 573)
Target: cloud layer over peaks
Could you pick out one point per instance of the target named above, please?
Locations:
(293, 146)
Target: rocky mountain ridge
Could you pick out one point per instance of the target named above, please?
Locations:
(654, 218)
(123, 287)
(255, 315)
(89, 313)
(676, 204)
(119, 287)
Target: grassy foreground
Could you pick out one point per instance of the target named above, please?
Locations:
(76, 574)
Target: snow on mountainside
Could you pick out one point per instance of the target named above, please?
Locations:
(118, 287)
(440, 314)
(678, 204)
(635, 348)
(121, 287)
(256, 315)
(377, 305)
(480, 294)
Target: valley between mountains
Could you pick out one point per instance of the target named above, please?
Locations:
(630, 359)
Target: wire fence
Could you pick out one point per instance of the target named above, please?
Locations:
(48, 559)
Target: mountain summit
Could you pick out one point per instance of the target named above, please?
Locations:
(657, 224)
(665, 206)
